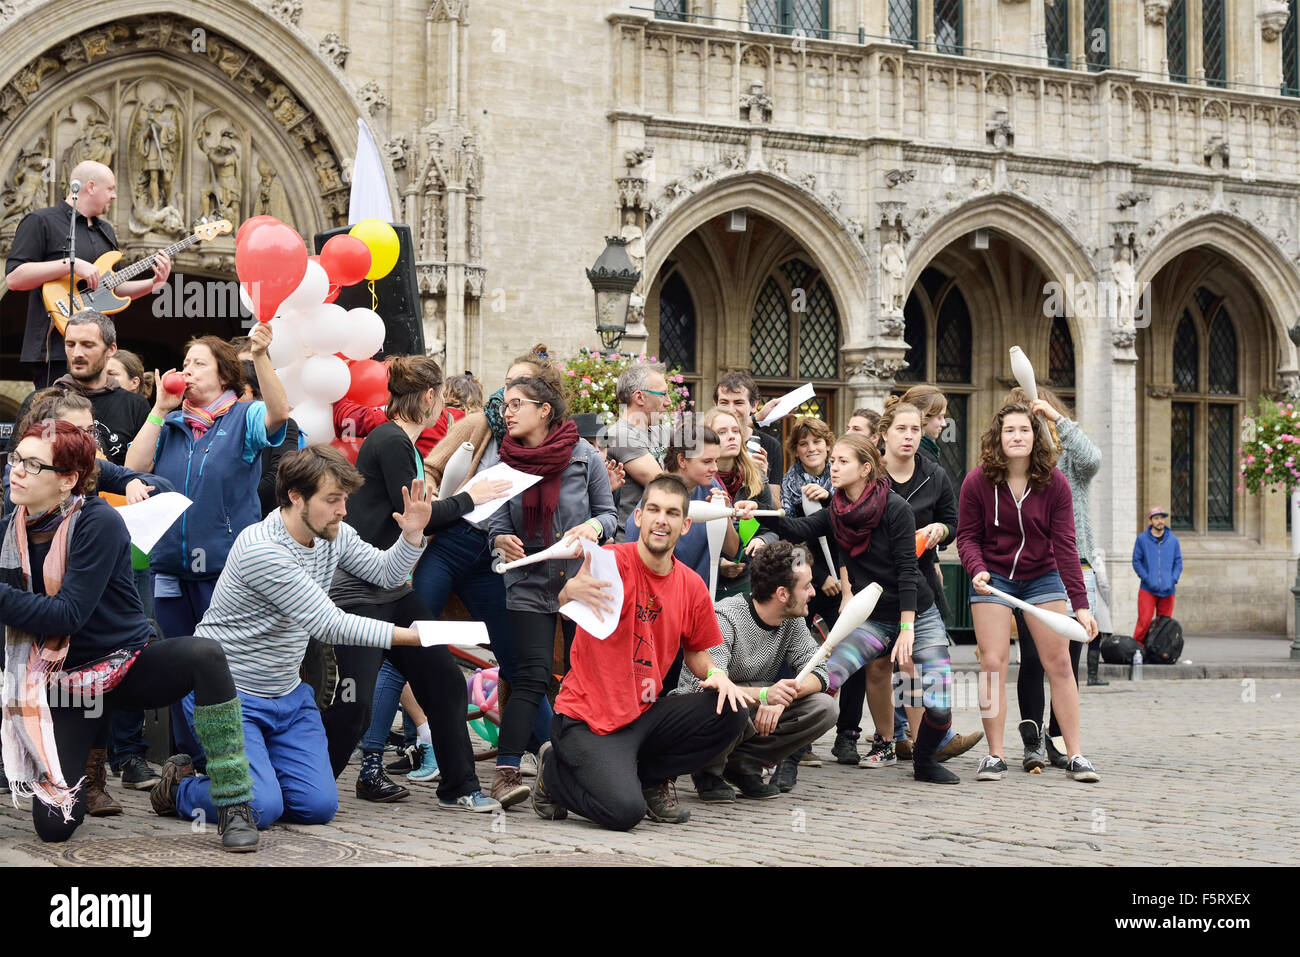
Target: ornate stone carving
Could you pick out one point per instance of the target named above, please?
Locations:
(449, 10)
(1216, 153)
(999, 132)
(879, 368)
(334, 49)
(1131, 198)
(431, 278)
(218, 139)
(892, 325)
(893, 270)
(270, 198)
(327, 171)
(897, 177)
(1123, 338)
(153, 154)
(372, 97)
(290, 11)
(807, 181)
(1288, 383)
(27, 184)
(474, 279)
(756, 106)
(284, 107)
(1272, 16)
(631, 192)
(1155, 10)
(397, 150)
(1160, 390)
(638, 157)
(635, 238)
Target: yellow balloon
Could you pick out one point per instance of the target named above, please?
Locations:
(381, 239)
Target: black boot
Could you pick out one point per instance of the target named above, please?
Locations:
(237, 827)
(1094, 659)
(373, 784)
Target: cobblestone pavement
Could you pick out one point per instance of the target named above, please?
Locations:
(1193, 772)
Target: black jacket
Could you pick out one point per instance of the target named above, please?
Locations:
(119, 415)
(890, 559)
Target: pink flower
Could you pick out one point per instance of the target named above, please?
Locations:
(569, 372)
(1268, 469)
(586, 380)
(584, 393)
(1240, 491)
(1250, 458)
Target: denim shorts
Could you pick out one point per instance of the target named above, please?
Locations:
(1035, 591)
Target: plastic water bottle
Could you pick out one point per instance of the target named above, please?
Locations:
(1135, 670)
(754, 445)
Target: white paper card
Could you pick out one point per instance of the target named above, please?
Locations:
(789, 402)
(519, 481)
(604, 567)
(451, 632)
(148, 521)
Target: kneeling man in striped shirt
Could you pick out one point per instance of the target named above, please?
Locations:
(272, 597)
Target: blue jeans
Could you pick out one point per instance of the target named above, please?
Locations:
(288, 758)
(459, 559)
(388, 694)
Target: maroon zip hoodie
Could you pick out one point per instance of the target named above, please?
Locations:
(1020, 543)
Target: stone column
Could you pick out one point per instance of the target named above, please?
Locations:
(1152, 54)
(871, 372)
(1271, 16)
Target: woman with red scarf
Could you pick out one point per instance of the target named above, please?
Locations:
(875, 532)
(572, 499)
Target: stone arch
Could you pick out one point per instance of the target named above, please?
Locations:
(307, 97)
(1277, 283)
(834, 248)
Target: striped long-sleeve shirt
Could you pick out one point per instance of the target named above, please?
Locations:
(272, 597)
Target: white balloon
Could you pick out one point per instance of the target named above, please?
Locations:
(286, 347)
(367, 332)
(246, 300)
(325, 330)
(311, 292)
(325, 378)
(315, 422)
(291, 378)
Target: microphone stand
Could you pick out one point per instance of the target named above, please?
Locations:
(72, 273)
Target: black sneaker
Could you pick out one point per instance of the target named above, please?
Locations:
(138, 774)
(712, 789)
(845, 749)
(374, 785)
(1054, 754)
(544, 805)
(661, 804)
(751, 786)
(1035, 758)
(991, 769)
(237, 825)
(787, 773)
(881, 755)
(1081, 769)
(932, 772)
(411, 758)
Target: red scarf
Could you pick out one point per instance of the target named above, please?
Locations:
(733, 481)
(853, 522)
(200, 418)
(549, 460)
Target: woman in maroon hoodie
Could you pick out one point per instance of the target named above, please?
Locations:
(1015, 531)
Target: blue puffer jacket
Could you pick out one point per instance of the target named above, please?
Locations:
(1158, 562)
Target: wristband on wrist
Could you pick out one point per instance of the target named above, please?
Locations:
(595, 523)
(904, 626)
(715, 671)
(762, 695)
(154, 418)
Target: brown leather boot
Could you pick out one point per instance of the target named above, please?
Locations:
(99, 803)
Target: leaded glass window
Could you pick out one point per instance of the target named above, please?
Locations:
(914, 336)
(1058, 32)
(1176, 40)
(1061, 355)
(1291, 59)
(809, 18)
(1223, 355)
(1220, 479)
(670, 9)
(1096, 34)
(1182, 456)
(1186, 356)
(764, 15)
(952, 440)
(819, 336)
(1214, 47)
(677, 325)
(952, 347)
(902, 21)
(947, 26)
(769, 342)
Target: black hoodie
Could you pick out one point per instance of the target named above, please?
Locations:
(119, 414)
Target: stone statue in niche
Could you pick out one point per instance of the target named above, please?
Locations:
(271, 198)
(635, 240)
(327, 171)
(219, 142)
(156, 148)
(96, 143)
(1125, 279)
(893, 273)
(27, 187)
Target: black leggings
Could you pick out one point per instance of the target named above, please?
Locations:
(1029, 682)
(164, 672)
(436, 681)
(534, 653)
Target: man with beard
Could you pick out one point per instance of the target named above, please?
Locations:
(270, 599)
(90, 340)
(764, 634)
(617, 742)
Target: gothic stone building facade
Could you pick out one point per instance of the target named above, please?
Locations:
(865, 193)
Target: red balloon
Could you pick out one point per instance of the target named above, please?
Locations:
(350, 447)
(271, 263)
(346, 259)
(369, 383)
(333, 293)
(174, 383)
(248, 225)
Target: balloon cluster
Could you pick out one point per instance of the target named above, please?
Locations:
(483, 687)
(321, 351)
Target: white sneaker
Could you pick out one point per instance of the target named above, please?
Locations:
(1081, 769)
(528, 764)
(991, 769)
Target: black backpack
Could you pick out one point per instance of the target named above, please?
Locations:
(1164, 641)
(1119, 650)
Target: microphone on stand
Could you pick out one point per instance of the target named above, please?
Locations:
(75, 186)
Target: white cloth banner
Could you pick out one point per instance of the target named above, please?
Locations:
(369, 198)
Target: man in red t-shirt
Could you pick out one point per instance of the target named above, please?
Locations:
(618, 741)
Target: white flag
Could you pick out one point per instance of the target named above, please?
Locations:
(369, 197)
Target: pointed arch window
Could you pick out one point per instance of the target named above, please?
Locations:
(1057, 24)
(1096, 34)
(677, 325)
(1186, 355)
(1176, 40)
(1214, 42)
(1061, 355)
(1291, 55)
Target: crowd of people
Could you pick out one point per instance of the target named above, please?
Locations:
(292, 562)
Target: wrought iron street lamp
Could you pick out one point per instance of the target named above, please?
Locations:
(613, 278)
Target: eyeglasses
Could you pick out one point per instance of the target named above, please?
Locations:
(655, 392)
(31, 466)
(514, 404)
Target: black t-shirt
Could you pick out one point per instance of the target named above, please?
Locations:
(119, 415)
(42, 236)
(775, 456)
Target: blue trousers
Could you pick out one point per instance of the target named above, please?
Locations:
(459, 559)
(288, 758)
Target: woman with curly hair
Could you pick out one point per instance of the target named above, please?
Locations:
(1015, 531)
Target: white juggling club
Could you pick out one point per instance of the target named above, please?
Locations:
(1023, 370)
(716, 531)
(569, 548)
(810, 507)
(1063, 625)
(857, 611)
(708, 511)
(457, 470)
